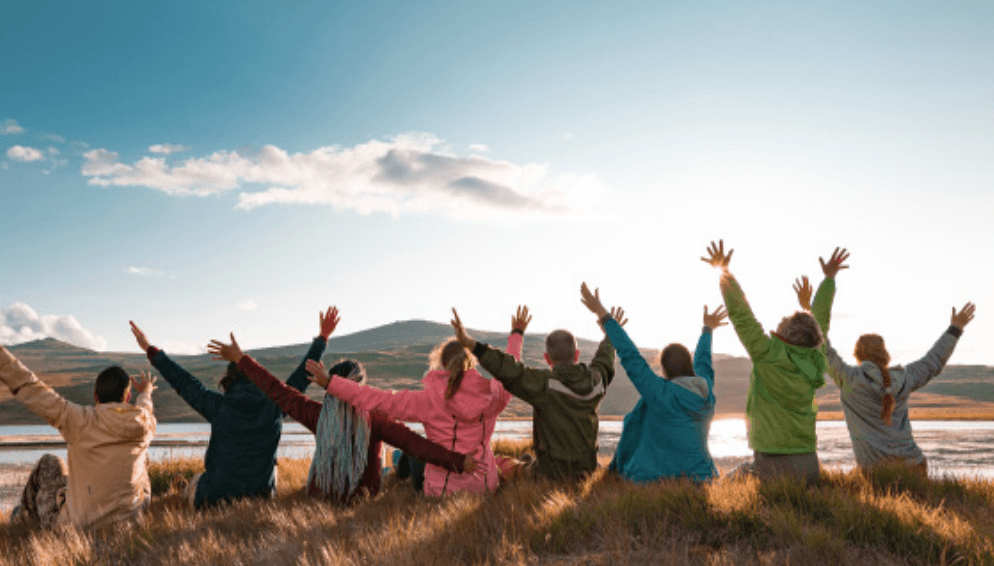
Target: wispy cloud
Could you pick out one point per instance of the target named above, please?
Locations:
(479, 147)
(167, 148)
(147, 272)
(10, 127)
(25, 154)
(412, 172)
(20, 323)
(52, 137)
(249, 305)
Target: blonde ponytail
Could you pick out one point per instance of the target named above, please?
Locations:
(455, 359)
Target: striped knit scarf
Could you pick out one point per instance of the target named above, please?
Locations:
(341, 447)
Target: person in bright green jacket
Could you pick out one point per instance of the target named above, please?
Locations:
(788, 366)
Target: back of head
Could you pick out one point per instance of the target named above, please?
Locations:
(349, 369)
(801, 329)
(112, 385)
(231, 375)
(676, 361)
(871, 348)
(454, 358)
(560, 345)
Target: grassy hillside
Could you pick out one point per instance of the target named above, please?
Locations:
(396, 357)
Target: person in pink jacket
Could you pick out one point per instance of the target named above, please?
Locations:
(458, 407)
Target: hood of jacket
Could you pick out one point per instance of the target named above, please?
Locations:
(578, 379)
(875, 378)
(124, 420)
(693, 383)
(810, 362)
(474, 396)
(245, 398)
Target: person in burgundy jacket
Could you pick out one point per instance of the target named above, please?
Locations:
(348, 441)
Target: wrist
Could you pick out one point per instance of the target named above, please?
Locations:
(520, 331)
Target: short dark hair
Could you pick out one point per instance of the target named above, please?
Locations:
(112, 384)
(676, 361)
(561, 347)
(231, 375)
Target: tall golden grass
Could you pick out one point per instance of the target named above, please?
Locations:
(890, 517)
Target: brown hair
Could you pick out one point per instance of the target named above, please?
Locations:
(231, 375)
(676, 361)
(871, 348)
(561, 347)
(454, 358)
(801, 329)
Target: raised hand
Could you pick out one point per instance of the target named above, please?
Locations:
(328, 322)
(592, 301)
(470, 465)
(144, 382)
(464, 338)
(221, 351)
(521, 319)
(715, 319)
(964, 316)
(618, 314)
(139, 336)
(317, 373)
(835, 263)
(804, 291)
(718, 256)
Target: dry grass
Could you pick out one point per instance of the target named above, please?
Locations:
(891, 518)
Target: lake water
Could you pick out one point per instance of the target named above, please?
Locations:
(957, 448)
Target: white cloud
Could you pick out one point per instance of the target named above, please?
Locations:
(147, 272)
(10, 127)
(52, 137)
(479, 148)
(20, 323)
(167, 148)
(181, 347)
(25, 154)
(412, 172)
(248, 305)
(53, 151)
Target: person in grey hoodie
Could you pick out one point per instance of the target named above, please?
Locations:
(875, 396)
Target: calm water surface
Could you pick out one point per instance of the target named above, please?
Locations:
(958, 448)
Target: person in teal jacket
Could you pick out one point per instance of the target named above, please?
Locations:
(788, 366)
(666, 434)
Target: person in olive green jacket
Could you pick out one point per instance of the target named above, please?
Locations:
(564, 398)
(788, 366)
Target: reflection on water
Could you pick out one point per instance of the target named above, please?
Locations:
(960, 448)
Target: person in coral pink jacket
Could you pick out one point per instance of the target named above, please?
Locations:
(458, 407)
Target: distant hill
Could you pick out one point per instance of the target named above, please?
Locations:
(396, 357)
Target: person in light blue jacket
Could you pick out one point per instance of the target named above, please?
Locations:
(666, 434)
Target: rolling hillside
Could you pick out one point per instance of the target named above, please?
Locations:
(396, 356)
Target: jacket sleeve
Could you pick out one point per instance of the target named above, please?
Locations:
(292, 402)
(203, 400)
(841, 373)
(750, 332)
(604, 359)
(515, 342)
(410, 442)
(41, 399)
(399, 405)
(702, 357)
(298, 379)
(528, 384)
(641, 375)
(821, 307)
(919, 373)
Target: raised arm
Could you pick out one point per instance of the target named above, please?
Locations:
(527, 384)
(38, 397)
(841, 373)
(750, 332)
(327, 322)
(407, 406)
(519, 323)
(291, 401)
(702, 355)
(188, 387)
(641, 375)
(919, 373)
(822, 307)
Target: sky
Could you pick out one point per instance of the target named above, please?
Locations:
(206, 168)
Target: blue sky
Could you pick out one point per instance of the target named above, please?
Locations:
(205, 168)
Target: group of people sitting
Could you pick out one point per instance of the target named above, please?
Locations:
(105, 479)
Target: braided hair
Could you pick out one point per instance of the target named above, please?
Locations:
(871, 348)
